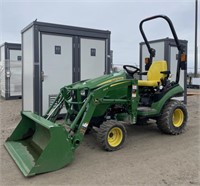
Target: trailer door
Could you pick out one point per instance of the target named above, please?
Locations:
(92, 58)
(56, 66)
(15, 73)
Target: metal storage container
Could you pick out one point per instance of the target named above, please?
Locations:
(10, 70)
(57, 55)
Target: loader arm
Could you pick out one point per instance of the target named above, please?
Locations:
(96, 97)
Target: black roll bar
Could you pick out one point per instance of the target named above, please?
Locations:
(152, 51)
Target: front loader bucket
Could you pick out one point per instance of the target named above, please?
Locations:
(38, 145)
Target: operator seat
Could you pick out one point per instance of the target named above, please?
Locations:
(155, 75)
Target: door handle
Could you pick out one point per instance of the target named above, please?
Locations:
(43, 75)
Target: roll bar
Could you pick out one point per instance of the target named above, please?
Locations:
(152, 51)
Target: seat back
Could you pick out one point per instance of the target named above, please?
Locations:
(156, 67)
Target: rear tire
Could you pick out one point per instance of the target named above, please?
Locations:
(111, 135)
(173, 118)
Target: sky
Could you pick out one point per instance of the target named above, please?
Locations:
(122, 18)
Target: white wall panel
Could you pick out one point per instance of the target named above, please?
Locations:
(92, 66)
(28, 77)
(57, 68)
(2, 71)
(15, 73)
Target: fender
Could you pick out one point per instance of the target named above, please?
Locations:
(177, 89)
(157, 106)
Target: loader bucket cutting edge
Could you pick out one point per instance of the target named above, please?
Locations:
(38, 145)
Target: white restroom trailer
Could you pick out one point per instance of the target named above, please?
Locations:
(10, 70)
(58, 55)
(166, 50)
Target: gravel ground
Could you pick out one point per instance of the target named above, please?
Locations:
(148, 157)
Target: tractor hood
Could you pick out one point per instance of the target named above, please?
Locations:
(99, 81)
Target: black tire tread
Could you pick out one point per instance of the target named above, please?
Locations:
(164, 121)
(103, 132)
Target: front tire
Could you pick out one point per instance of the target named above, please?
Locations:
(111, 135)
(173, 118)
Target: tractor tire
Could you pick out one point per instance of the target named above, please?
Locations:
(173, 118)
(111, 135)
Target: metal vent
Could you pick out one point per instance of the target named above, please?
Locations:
(17, 88)
(52, 97)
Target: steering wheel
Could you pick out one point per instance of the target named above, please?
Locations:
(131, 70)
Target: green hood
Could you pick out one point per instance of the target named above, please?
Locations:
(99, 81)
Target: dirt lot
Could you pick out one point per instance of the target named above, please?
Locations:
(148, 158)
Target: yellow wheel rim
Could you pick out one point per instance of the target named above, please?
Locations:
(178, 117)
(115, 137)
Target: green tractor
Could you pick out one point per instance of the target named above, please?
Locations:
(40, 144)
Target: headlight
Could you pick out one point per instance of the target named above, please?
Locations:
(83, 93)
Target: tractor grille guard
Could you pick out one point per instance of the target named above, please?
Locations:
(70, 98)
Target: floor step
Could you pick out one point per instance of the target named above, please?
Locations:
(145, 109)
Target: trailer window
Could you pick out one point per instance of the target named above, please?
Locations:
(57, 49)
(19, 58)
(93, 52)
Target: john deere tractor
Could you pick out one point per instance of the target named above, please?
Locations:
(40, 144)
